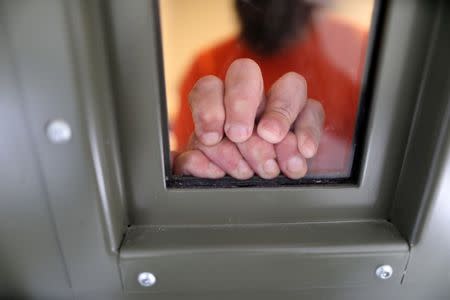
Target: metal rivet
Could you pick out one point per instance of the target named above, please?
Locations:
(59, 131)
(146, 279)
(384, 272)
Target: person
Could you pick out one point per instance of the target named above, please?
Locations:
(252, 111)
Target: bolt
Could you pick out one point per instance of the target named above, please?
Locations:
(59, 131)
(384, 272)
(146, 279)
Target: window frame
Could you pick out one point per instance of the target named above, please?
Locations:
(142, 122)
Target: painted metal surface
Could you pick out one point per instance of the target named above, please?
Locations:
(64, 209)
(262, 257)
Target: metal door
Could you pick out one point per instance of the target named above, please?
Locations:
(86, 212)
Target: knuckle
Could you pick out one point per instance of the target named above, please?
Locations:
(259, 149)
(239, 105)
(204, 86)
(295, 78)
(284, 110)
(228, 157)
(210, 117)
(317, 110)
(254, 148)
(225, 151)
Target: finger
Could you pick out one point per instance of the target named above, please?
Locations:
(244, 91)
(291, 161)
(227, 157)
(194, 162)
(208, 113)
(309, 128)
(260, 155)
(285, 100)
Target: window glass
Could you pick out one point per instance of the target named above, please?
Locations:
(264, 88)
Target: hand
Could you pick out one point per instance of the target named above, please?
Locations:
(225, 140)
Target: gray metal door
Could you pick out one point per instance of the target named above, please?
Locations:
(86, 212)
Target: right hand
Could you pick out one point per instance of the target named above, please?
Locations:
(226, 141)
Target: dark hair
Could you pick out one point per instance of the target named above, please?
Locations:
(269, 25)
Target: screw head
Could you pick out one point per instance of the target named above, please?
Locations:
(146, 279)
(58, 131)
(384, 272)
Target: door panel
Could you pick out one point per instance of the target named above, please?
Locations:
(71, 229)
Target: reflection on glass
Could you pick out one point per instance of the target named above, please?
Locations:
(324, 41)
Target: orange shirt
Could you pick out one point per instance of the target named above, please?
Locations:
(330, 56)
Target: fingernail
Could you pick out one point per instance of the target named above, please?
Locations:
(270, 131)
(237, 133)
(307, 147)
(210, 138)
(214, 171)
(295, 164)
(270, 167)
(244, 170)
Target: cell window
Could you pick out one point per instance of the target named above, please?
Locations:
(266, 92)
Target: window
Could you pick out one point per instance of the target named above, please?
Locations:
(326, 43)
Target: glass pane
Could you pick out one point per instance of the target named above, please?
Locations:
(285, 95)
